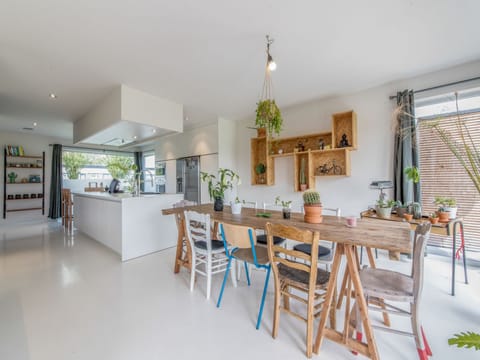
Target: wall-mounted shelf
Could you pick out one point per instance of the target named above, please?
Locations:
(9, 188)
(325, 154)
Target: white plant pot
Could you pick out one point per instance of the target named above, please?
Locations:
(384, 212)
(452, 212)
(236, 208)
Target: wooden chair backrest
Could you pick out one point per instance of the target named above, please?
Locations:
(66, 196)
(182, 203)
(280, 255)
(239, 236)
(422, 234)
(197, 228)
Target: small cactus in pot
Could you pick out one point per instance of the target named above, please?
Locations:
(313, 207)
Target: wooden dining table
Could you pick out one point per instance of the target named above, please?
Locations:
(392, 236)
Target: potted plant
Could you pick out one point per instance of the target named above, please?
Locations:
(236, 206)
(216, 187)
(401, 209)
(260, 170)
(302, 179)
(384, 208)
(451, 206)
(433, 218)
(286, 206)
(313, 207)
(269, 117)
(444, 207)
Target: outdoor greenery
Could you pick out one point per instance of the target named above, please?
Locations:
(73, 163)
(119, 166)
(217, 185)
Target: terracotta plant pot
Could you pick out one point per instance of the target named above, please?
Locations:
(433, 220)
(303, 187)
(408, 217)
(261, 132)
(313, 214)
(443, 216)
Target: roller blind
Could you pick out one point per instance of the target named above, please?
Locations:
(443, 175)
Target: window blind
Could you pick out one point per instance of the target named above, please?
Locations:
(443, 175)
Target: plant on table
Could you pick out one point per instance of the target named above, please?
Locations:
(286, 206)
(446, 208)
(313, 207)
(217, 185)
(384, 208)
(236, 206)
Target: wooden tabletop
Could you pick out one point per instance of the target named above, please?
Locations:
(388, 235)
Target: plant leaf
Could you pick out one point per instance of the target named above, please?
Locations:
(466, 339)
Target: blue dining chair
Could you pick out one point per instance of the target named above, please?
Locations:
(240, 244)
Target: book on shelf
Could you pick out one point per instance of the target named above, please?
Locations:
(15, 150)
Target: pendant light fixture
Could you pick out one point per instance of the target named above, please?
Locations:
(271, 64)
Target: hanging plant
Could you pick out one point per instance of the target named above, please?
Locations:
(269, 117)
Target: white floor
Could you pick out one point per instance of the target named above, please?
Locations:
(68, 297)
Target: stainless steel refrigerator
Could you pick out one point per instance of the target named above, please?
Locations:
(188, 178)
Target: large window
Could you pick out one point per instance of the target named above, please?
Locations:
(441, 173)
(149, 175)
(84, 168)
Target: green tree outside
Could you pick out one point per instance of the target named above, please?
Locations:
(73, 163)
(119, 166)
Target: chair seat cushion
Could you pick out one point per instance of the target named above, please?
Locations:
(387, 284)
(216, 245)
(247, 255)
(307, 249)
(302, 277)
(262, 239)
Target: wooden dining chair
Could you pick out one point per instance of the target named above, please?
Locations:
(240, 244)
(298, 280)
(183, 256)
(67, 208)
(208, 256)
(380, 285)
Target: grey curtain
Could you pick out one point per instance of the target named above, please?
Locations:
(55, 208)
(406, 148)
(138, 158)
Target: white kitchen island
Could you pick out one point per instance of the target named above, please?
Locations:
(130, 226)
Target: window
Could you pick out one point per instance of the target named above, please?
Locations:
(149, 175)
(441, 173)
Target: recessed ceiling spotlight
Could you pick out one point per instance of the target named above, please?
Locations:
(186, 118)
(135, 137)
(154, 131)
(34, 124)
(53, 96)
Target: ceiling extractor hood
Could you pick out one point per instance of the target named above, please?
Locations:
(128, 116)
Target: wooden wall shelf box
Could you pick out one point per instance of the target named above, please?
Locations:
(319, 149)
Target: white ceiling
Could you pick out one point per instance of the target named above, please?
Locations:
(210, 54)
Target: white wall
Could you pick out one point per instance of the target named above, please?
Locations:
(33, 145)
(372, 161)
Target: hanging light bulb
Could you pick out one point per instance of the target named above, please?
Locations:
(271, 64)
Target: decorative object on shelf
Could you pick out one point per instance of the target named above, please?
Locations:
(26, 196)
(24, 181)
(300, 146)
(268, 113)
(12, 177)
(321, 144)
(216, 187)
(286, 206)
(325, 169)
(260, 169)
(384, 208)
(34, 179)
(303, 178)
(14, 150)
(344, 142)
(236, 206)
(280, 151)
(33, 196)
(312, 206)
(18, 196)
(39, 195)
(10, 197)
